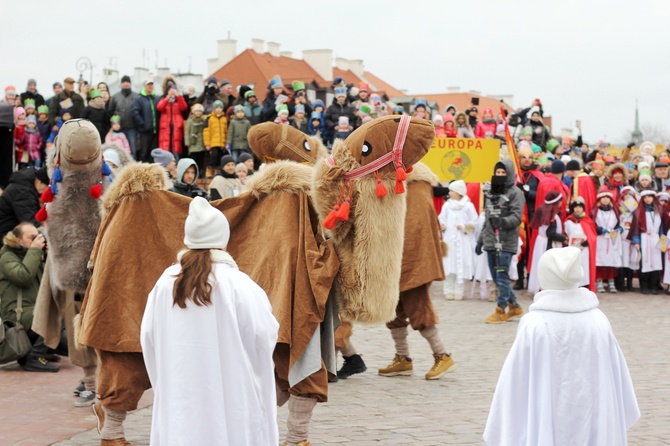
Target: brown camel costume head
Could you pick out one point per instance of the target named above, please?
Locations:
(359, 194)
(271, 142)
(78, 179)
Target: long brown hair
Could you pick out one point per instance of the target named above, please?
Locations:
(193, 279)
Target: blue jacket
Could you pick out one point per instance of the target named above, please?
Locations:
(322, 128)
(53, 134)
(145, 115)
(45, 131)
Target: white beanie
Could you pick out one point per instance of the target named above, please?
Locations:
(206, 227)
(458, 186)
(112, 156)
(560, 269)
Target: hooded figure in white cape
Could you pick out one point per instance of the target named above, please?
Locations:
(210, 364)
(565, 380)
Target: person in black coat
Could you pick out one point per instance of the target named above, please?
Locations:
(20, 201)
(31, 93)
(275, 89)
(147, 120)
(96, 112)
(340, 108)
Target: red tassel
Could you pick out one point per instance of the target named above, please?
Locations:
(381, 189)
(96, 191)
(343, 213)
(410, 170)
(331, 220)
(400, 174)
(41, 215)
(47, 196)
(399, 187)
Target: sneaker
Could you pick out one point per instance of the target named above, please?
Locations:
(498, 317)
(449, 296)
(86, 398)
(600, 288)
(400, 366)
(116, 442)
(80, 388)
(99, 415)
(611, 286)
(39, 365)
(302, 443)
(443, 364)
(513, 312)
(352, 365)
(51, 357)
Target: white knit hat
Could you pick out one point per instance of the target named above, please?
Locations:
(112, 156)
(458, 186)
(560, 269)
(206, 227)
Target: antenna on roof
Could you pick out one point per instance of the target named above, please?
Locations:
(228, 35)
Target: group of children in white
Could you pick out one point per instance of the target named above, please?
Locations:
(622, 234)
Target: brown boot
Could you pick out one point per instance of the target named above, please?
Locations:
(115, 442)
(302, 443)
(513, 311)
(499, 317)
(99, 415)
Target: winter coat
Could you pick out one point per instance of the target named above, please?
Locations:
(225, 187)
(302, 125)
(122, 104)
(511, 212)
(38, 98)
(118, 138)
(75, 110)
(322, 129)
(483, 127)
(193, 137)
(253, 113)
(335, 111)
(45, 131)
(269, 113)
(188, 190)
(215, 131)
(31, 143)
(190, 102)
(237, 134)
(207, 100)
(52, 136)
(19, 202)
(145, 115)
(20, 268)
(540, 138)
(99, 118)
(171, 131)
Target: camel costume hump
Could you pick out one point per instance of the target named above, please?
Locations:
(141, 232)
(370, 244)
(422, 252)
(272, 142)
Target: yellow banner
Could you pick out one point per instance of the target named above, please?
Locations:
(467, 159)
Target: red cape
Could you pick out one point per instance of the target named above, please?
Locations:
(583, 186)
(474, 194)
(589, 228)
(548, 183)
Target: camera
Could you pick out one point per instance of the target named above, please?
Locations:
(44, 248)
(300, 94)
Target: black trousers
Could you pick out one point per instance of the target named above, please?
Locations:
(148, 142)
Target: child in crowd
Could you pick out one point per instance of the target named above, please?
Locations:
(241, 172)
(365, 113)
(115, 135)
(463, 126)
(96, 112)
(548, 233)
(609, 245)
(420, 107)
(644, 179)
(226, 184)
(237, 142)
(380, 109)
(398, 110)
(30, 141)
(43, 127)
(20, 123)
(581, 232)
(342, 130)
(299, 121)
(645, 235)
(457, 222)
(629, 259)
(65, 116)
(193, 139)
(248, 160)
(214, 136)
(29, 106)
(438, 123)
(321, 127)
(282, 115)
(450, 126)
(314, 126)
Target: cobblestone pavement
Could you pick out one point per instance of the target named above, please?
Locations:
(368, 409)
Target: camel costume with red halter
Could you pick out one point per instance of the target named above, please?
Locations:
(72, 218)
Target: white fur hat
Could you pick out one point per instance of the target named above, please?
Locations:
(643, 164)
(458, 186)
(206, 227)
(560, 269)
(112, 156)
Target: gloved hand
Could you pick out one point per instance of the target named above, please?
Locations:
(228, 147)
(620, 229)
(478, 249)
(496, 222)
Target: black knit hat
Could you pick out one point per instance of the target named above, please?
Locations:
(41, 174)
(125, 78)
(225, 159)
(245, 157)
(557, 166)
(573, 165)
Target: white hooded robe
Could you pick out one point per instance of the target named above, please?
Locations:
(565, 380)
(211, 366)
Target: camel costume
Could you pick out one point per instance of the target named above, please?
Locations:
(72, 219)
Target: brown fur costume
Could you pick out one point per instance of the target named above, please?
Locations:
(371, 255)
(271, 142)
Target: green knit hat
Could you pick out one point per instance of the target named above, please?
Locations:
(95, 93)
(528, 130)
(29, 102)
(115, 118)
(551, 145)
(217, 103)
(282, 108)
(42, 109)
(249, 94)
(298, 85)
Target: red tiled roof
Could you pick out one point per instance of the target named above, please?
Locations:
(462, 101)
(383, 86)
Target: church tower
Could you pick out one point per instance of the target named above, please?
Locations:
(637, 133)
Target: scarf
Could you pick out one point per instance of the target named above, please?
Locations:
(457, 205)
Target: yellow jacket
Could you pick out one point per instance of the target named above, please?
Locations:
(215, 132)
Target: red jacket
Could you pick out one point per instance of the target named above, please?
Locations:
(482, 128)
(171, 113)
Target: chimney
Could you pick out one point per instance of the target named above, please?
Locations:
(453, 89)
(342, 63)
(227, 51)
(213, 65)
(163, 72)
(321, 61)
(140, 75)
(257, 45)
(356, 66)
(475, 92)
(273, 49)
(111, 75)
(286, 53)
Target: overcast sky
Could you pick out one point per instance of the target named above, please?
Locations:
(585, 59)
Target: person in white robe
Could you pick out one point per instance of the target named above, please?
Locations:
(565, 380)
(210, 363)
(645, 235)
(458, 218)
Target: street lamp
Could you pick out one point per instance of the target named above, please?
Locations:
(83, 64)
